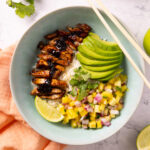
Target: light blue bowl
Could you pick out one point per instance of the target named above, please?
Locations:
(25, 57)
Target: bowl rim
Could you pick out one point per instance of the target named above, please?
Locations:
(24, 116)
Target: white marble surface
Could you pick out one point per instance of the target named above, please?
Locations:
(135, 14)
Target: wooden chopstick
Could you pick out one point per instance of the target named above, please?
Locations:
(125, 33)
(119, 43)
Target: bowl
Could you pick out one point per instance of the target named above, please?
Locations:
(25, 57)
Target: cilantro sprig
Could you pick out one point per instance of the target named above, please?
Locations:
(82, 84)
(21, 9)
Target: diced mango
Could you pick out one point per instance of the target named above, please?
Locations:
(97, 108)
(106, 94)
(74, 123)
(61, 109)
(124, 88)
(101, 87)
(92, 124)
(99, 124)
(90, 98)
(65, 120)
(112, 101)
(71, 114)
(118, 83)
(94, 94)
(102, 107)
(66, 100)
(72, 103)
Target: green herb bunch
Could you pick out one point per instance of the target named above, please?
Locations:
(21, 9)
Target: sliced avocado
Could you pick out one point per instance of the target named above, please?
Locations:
(100, 68)
(107, 45)
(117, 72)
(86, 61)
(98, 75)
(92, 55)
(96, 49)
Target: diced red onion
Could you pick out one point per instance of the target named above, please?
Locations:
(71, 97)
(86, 121)
(92, 91)
(109, 90)
(88, 108)
(105, 122)
(78, 104)
(84, 100)
(82, 118)
(114, 112)
(69, 107)
(97, 98)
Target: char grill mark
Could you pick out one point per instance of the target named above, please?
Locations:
(54, 56)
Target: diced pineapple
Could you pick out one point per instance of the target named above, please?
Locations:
(66, 100)
(104, 101)
(106, 94)
(90, 98)
(61, 109)
(92, 116)
(65, 120)
(101, 87)
(108, 118)
(99, 124)
(92, 124)
(72, 103)
(124, 88)
(71, 114)
(82, 111)
(108, 86)
(118, 82)
(97, 108)
(119, 106)
(112, 115)
(94, 94)
(102, 107)
(106, 111)
(112, 101)
(123, 78)
(74, 123)
(112, 81)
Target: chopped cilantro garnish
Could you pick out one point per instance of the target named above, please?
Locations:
(81, 81)
(21, 9)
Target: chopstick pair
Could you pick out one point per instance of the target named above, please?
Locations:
(125, 33)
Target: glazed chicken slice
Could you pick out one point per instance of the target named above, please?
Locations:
(49, 48)
(60, 61)
(45, 73)
(54, 82)
(51, 36)
(46, 64)
(35, 91)
(84, 27)
(53, 97)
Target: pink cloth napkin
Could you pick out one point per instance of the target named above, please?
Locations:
(15, 134)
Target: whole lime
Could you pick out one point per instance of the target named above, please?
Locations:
(146, 42)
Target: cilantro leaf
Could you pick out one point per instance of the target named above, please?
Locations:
(21, 9)
(81, 81)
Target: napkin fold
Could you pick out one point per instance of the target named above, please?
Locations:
(15, 134)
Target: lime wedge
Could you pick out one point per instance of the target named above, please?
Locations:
(143, 139)
(47, 111)
(146, 42)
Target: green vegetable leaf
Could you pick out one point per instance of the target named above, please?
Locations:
(81, 81)
(21, 9)
(74, 91)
